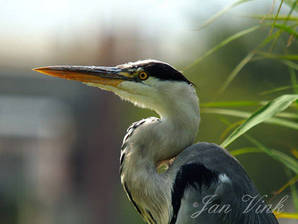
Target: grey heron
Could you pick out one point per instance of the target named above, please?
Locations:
(203, 182)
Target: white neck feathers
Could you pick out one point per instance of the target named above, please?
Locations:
(156, 140)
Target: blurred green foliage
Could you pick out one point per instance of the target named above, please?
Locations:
(271, 54)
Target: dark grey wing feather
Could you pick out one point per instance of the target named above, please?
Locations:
(212, 187)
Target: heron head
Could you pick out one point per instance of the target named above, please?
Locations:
(150, 84)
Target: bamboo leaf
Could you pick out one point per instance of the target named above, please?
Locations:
(285, 22)
(293, 57)
(291, 64)
(242, 114)
(285, 186)
(292, 4)
(235, 72)
(294, 195)
(246, 150)
(232, 104)
(276, 16)
(277, 155)
(263, 114)
(268, 39)
(287, 29)
(285, 215)
(230, 127)
(215, 104)
(285, 159)
(293, 80)
(270, 17)
(288, 115)
(222, 44)
(221, 12)
(290, 183)
(278, 89)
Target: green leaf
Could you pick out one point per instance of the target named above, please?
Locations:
(281, 157)
(242, 114)
(279, 18)
(235, 72)
(292, 4)
(246, 150)
(231, 104)
(275, 154)
(276, 16)
(292, 181)
(263, 114)
(293, 57)
(274, 23)
(288, 115)
(294, 196)
(286, 28)
(268, 39)
(291, 64)
(221, 12)
(222, 44)
(293, 80)
(278, 89)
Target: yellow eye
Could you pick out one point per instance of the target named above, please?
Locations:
(143, 75)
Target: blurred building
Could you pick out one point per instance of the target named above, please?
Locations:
(59, 141)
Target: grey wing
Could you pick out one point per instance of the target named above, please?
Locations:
(202, 204)
(211, 187)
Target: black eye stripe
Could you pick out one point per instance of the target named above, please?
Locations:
(157, 69)
(164, 71)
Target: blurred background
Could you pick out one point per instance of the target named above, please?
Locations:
(60, 140)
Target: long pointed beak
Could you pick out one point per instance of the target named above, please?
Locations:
(88, 74)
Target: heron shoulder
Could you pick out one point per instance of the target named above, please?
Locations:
(214, 158)
(204, 170)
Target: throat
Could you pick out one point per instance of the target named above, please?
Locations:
(146, 145)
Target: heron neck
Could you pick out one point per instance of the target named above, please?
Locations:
(153, 141)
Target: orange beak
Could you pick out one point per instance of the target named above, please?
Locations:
(112, 76)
